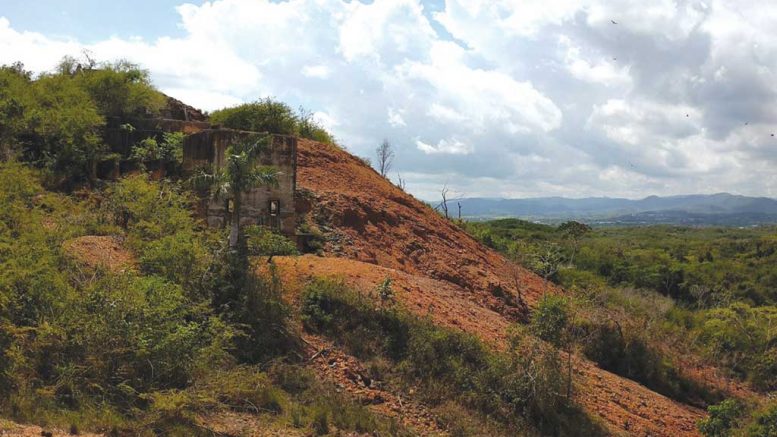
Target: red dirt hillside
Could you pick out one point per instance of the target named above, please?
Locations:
(366, 218)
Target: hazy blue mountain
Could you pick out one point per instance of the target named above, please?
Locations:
(722, 208)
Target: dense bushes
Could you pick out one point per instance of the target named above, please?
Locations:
(735, 418)
(75, 340)
(268, 115)
(55, 121)
(522, 389)
(722, 281)
(98, 348)
(743, 339)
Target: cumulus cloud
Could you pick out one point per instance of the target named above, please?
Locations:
(529, 98)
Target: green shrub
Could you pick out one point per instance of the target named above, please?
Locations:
(265, 115)
(180, 258)
(764, 423)
(722, 419)
(251, 302)
(134, 335)
(549, 321)
(149, 210)
(264, 242)
(272, 116)
(517, 389)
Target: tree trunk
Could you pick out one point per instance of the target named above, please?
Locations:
(569, 373)
(92, 171)
(234, 231)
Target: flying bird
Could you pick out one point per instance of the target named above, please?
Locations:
(614, 22)
(687, 115)
(746, 123)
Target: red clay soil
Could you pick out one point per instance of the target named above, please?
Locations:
(11, 429)
(621, 404)
(347, 373)
(368, 219)
(100, 251)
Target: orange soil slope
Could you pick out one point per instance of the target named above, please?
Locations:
(368, 219)
(623, 405)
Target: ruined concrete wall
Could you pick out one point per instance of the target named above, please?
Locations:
(121, 141)
(206, 150)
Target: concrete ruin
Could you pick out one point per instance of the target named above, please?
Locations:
(204, 147)
(267, 206)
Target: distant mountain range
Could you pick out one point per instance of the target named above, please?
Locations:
(696, 209)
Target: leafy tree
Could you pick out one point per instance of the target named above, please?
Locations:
(118, 89)
(574, 231)
(271, 116)
(764, 423)
(164, 153)
(722, 419)
(15, 100)
(65, 126)
(56, 121)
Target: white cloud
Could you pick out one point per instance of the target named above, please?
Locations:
(604, 71)
(445, 146)
(395, 118)
(525, 99)
(318, 71)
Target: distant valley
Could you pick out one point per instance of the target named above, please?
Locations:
(721, 209)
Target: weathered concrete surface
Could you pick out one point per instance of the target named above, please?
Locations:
(207, 148)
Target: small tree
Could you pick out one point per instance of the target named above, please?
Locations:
(163, 153)
(546, 261)
(549, 322)
(385, 157)
(574, 231)
(722, 418)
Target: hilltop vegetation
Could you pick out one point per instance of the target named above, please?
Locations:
(645, 295)
(268, 115)
(55, 121)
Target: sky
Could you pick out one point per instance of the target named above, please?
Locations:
(491, 98)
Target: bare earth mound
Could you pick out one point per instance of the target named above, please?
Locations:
(435, 264)
(622, 404)
(100, 251)
(368, 219)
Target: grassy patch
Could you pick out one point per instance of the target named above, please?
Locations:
(518, 391)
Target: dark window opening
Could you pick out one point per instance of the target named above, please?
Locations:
(274, 207)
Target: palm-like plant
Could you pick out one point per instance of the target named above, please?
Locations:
(238, 176)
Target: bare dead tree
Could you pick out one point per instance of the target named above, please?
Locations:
(444, 203)
(401, 183)
(516, 273)
(385, 155)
